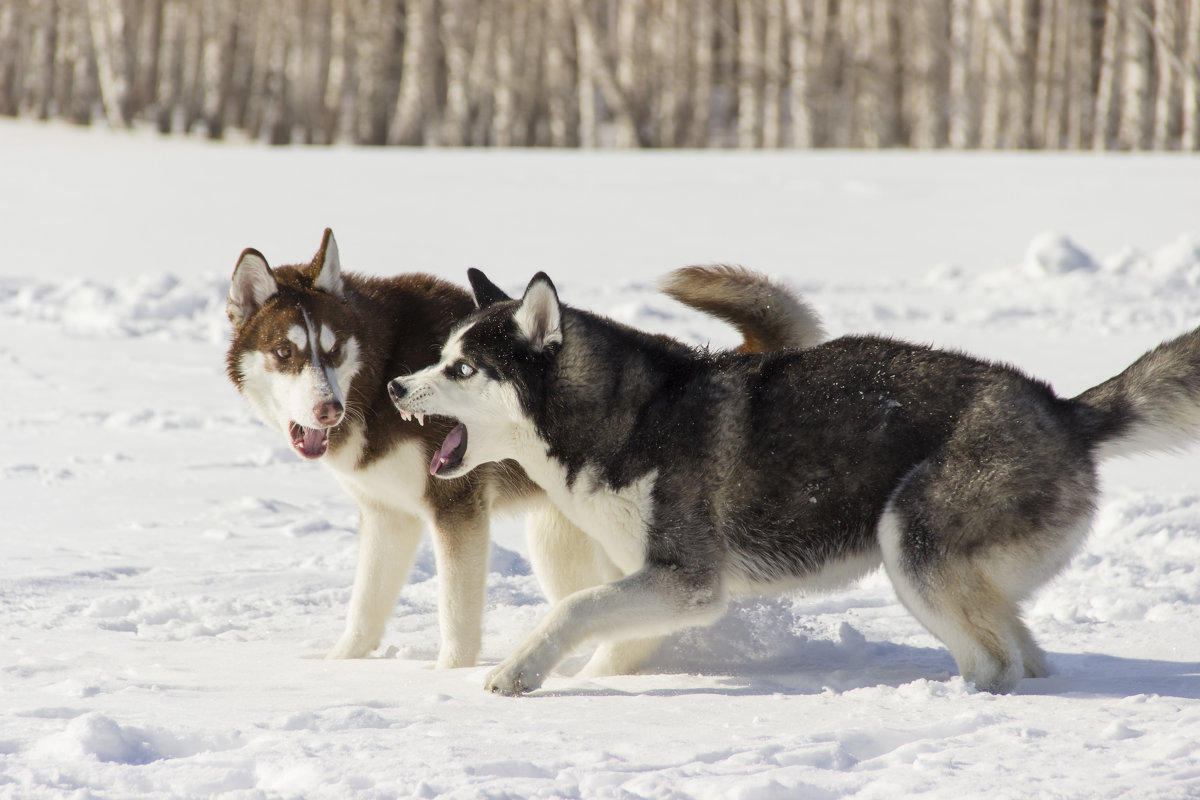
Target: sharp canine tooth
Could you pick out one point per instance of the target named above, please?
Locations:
(421, 420)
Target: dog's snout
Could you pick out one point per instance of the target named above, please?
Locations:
(329, 412)
(396, 390)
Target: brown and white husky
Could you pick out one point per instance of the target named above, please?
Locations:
(312, 352)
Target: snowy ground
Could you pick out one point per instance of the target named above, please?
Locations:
(172, 572)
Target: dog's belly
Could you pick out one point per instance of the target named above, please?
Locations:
(395, 480)
(754, 577)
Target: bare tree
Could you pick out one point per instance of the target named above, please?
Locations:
(105, 23)
(1190, 135)
(625, 73)
(1137, 100)
(798, 75)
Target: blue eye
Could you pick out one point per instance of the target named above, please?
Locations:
(459, 370)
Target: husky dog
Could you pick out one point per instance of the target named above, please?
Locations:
(703, 475)
(312, 351)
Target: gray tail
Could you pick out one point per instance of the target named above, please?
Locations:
(1153, 405)
(767, 314)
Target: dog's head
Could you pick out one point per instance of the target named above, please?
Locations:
(493, 363)
(294, 353)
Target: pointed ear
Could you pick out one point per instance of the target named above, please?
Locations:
(252, 286)
(539, 317)
(329, 266)
(486, 292)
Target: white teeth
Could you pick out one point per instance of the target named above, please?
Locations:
(404, 415)
(421, 420)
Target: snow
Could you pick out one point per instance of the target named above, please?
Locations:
(173, 572)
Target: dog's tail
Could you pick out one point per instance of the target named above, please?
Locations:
(1152, 405)
(769, 315)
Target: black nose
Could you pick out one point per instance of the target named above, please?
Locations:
(396, 390)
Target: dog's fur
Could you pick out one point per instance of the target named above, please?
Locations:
(708, 474)
(312, 351)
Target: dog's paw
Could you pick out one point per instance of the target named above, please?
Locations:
(455, 659)
(512, 679)
(350, 646)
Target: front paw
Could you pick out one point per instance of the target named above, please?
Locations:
(513, 678)
(352, 646)
(455, 658)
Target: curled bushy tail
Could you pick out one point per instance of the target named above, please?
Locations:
(1152, 405)
(767, 314)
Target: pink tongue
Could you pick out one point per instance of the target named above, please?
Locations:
(314, 442)
(445, 453)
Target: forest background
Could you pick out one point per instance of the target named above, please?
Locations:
(963, 74)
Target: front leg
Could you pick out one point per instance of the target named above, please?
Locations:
(655, 601)
(566, 560)
(387, 545)
(461, 540)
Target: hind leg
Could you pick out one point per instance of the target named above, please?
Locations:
(964, 577)
(966, 610)
(1031, 654)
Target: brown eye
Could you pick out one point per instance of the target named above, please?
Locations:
(283, 352)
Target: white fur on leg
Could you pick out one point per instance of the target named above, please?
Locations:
(461, 549)
(651, 602)
(620, 658)
(387, 545)
(984, 642)
(566, 560)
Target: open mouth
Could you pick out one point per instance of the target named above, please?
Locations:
(450, 455)
(309, 442)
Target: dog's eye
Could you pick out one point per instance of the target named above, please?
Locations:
(461, 369)
(334, 349)
(283, 352)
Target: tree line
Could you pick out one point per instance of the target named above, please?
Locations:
(990, 74)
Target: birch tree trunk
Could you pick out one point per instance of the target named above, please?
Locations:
(926, 38)
(11, 59)
(797, 87)
(749, 107)
(1166, 105)
(1190, 135)
(959, 112)
(702, 71)
(558, 77)
(105, 23)
(665, 40)
(600, 74)
(772, 73)
(1137, 101)
(1080, 99)
(407, 122)
(1110, 61)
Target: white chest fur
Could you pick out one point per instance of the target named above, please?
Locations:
(616, 518)
(394, 480)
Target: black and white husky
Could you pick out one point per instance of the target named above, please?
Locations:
(312, 351)
(703, 475)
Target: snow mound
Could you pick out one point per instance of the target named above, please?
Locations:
(146, 305)
(97, 737)
(1055, 254)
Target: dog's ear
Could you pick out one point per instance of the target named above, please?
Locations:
(486, 292)
(252, 286)
(539, 317)
(329, 266)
